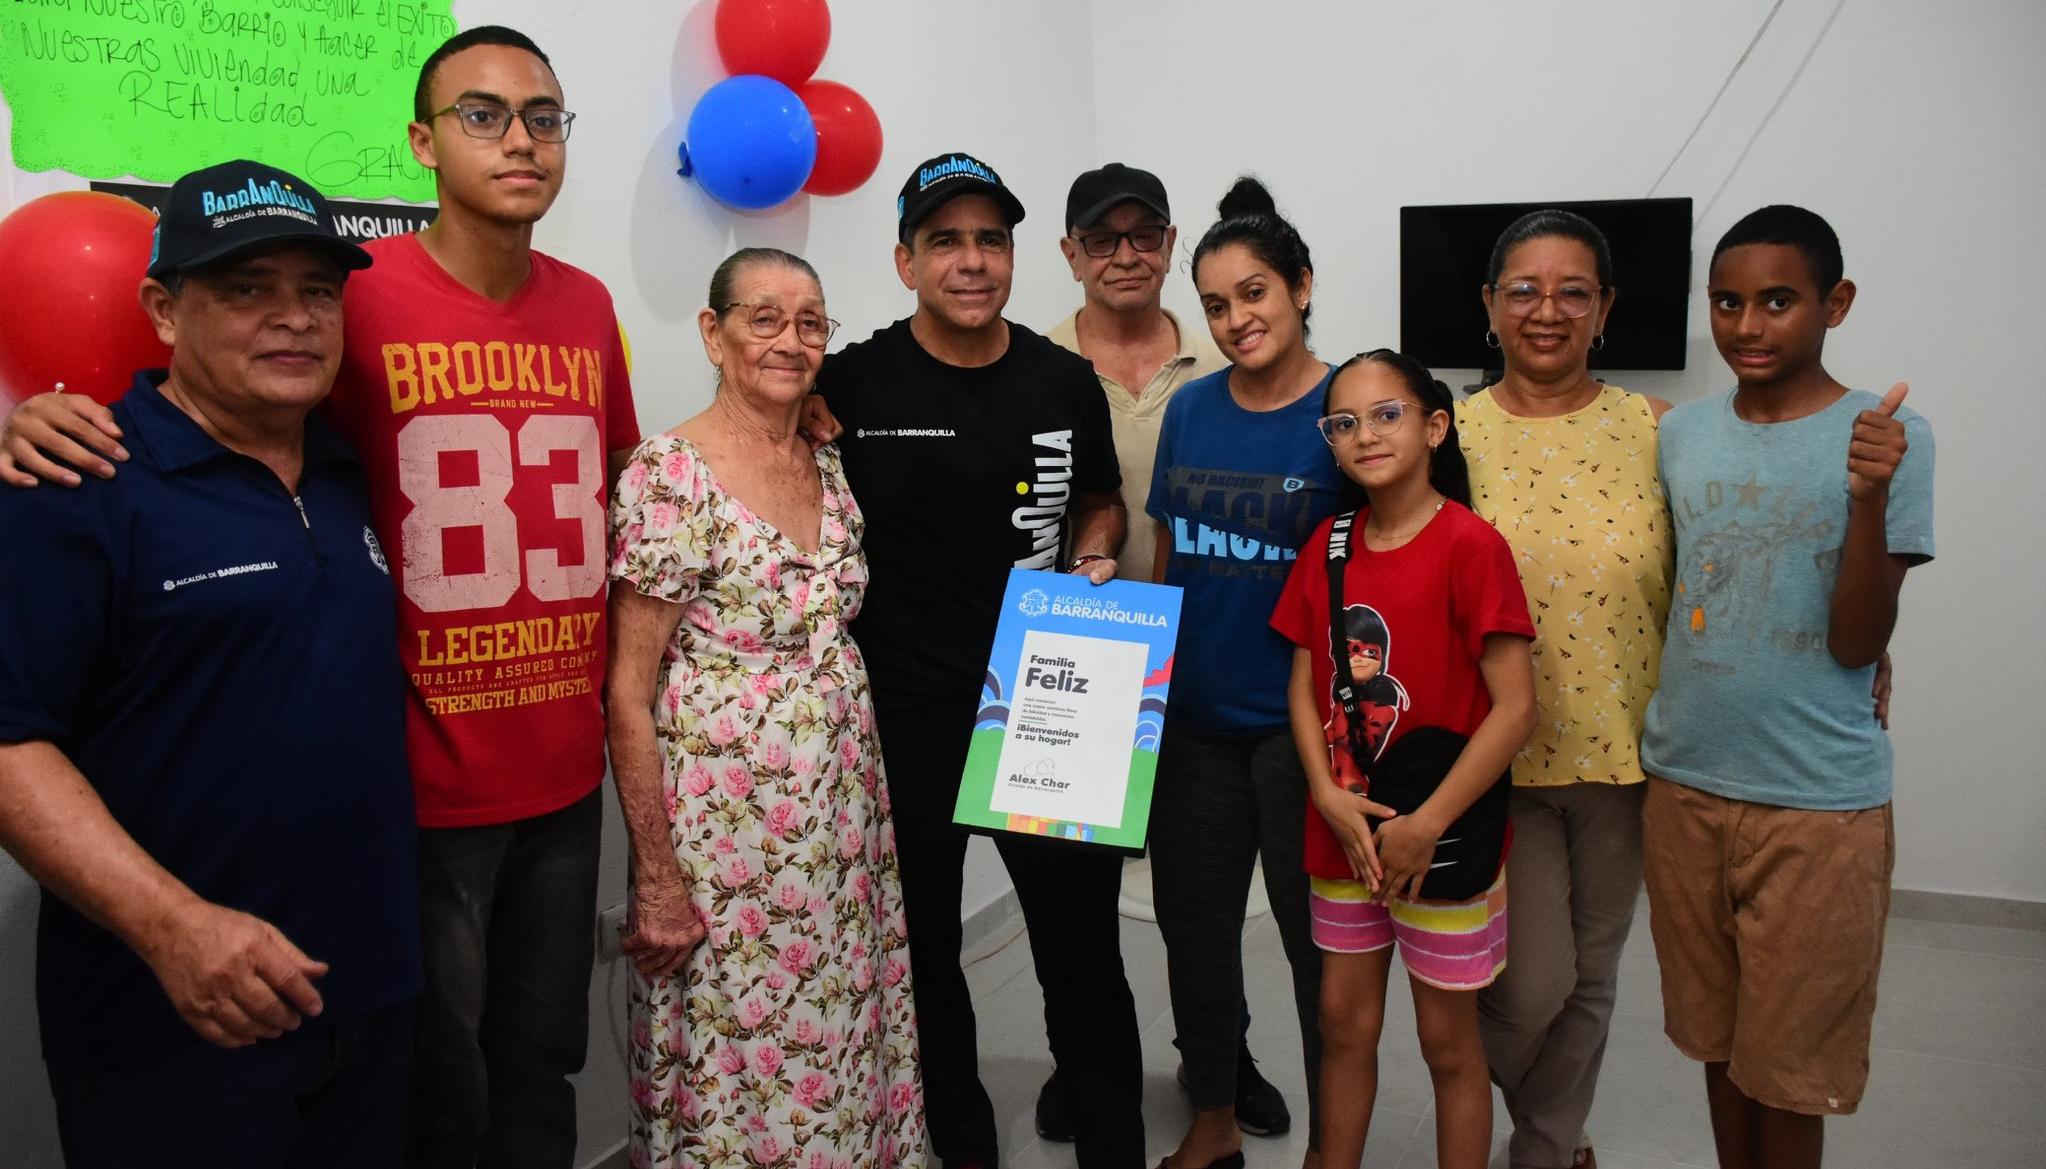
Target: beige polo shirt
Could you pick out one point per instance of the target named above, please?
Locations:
(1136, 419)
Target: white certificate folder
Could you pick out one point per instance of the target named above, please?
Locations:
(1065, 743)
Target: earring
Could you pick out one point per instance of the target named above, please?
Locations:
(1491, 339)
(1598, 342)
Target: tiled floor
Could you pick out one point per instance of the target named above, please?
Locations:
(1959, 1064)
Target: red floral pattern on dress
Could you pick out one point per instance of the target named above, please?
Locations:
(788, 1041)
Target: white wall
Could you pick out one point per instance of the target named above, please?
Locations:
(942, 76)
(1915, 128)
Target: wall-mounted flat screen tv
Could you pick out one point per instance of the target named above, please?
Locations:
(1443, 251)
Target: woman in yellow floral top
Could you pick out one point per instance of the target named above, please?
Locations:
(1564, 467)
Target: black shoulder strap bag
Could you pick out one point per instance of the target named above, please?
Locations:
(1468, 856)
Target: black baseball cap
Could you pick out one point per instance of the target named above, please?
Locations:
(1095, 193)
(214, 213)
(938, 180)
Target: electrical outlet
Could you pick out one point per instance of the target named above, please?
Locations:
(609, 922)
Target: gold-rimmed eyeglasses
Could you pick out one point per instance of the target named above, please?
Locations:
(1522, 298)
(768, 320)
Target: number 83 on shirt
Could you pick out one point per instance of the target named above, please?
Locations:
(458, 471)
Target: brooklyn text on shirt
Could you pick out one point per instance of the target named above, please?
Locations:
(1049, 486)
(423, 373)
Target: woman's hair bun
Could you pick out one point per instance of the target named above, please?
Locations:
(1247, 197)
(1250, 219)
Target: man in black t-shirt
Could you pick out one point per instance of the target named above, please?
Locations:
(975, 446)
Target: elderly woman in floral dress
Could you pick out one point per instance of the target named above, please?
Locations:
(771, 1017)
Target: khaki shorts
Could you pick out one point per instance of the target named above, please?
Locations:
(1768, 924)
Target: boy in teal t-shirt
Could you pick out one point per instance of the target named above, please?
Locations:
(1799, 505)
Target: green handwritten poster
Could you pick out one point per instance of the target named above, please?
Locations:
(153, 88)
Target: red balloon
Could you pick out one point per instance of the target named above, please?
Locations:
(848, 137)
(69, 268)
(782, 39)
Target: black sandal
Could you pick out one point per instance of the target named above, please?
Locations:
(1232, 1161)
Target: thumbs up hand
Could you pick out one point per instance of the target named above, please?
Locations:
(1877, 447)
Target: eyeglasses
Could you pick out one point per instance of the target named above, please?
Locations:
(769, 320)
(1103, 244)
(1383, 419)
(1572, 300)
(483, 119)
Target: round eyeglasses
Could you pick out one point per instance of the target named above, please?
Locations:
(767, 320)
(1383, 419)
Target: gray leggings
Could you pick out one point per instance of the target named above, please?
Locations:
(1220, 804)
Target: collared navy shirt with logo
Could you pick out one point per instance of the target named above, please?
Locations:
(216, 657)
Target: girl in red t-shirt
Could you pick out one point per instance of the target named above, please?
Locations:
(1426, 578)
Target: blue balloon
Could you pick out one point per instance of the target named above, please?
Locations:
(750, 142)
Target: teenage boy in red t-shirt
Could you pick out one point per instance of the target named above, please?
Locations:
(484, 387)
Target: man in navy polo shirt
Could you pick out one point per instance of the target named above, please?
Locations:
(202, 754)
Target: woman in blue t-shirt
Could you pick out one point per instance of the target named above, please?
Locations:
(1242, 477)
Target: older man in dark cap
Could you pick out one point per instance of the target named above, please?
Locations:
(202, 752)
(1119, 244)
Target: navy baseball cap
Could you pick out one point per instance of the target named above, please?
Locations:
(939, 180)
(214, 213)
(1097, 192)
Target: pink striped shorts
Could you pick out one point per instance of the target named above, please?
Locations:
(1455, 945)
